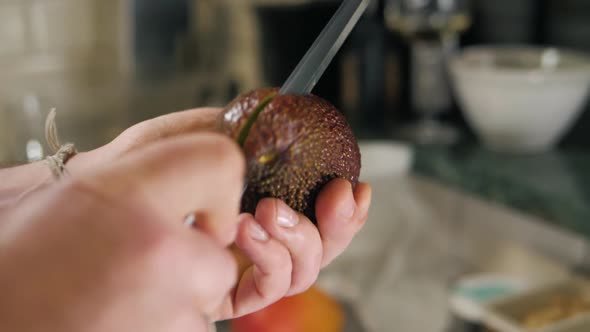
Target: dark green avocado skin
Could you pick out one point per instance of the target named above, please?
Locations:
(296, 145)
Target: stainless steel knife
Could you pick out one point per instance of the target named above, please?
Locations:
(322, 52)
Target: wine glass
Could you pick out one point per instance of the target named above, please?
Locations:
(432, 28)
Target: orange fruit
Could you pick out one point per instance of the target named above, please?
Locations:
(311, 311)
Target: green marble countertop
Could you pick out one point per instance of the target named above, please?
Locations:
(554, 186)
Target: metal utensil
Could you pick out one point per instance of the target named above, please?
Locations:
(313, 65)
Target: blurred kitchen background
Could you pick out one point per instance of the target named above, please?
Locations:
(107, 64)
(481, 169)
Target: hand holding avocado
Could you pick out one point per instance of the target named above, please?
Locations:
(142, 171)
(105, 249)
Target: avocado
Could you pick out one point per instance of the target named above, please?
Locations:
(294, 145)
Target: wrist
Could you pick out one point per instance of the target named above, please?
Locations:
(16, 181)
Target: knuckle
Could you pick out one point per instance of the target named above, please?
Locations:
(305, 281)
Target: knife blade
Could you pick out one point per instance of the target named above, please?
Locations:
(313, 65)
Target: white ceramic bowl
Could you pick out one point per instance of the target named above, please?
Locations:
(520, 99)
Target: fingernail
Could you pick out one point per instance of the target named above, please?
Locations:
(286, 217)
(348, 208)
(257, 232)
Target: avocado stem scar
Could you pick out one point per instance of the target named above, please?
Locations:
(267, 158)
